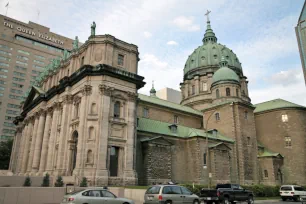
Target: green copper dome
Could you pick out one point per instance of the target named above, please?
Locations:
(225, 74)
(209, 54)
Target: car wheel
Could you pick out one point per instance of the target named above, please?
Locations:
(226, 201)
(296, 199)
(196, 202)
(284, 199)
(251, 200)
(168, 202)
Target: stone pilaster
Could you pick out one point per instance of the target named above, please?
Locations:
(101, 177)
(25, 156)
(15, 149)
(38, 143)
(86, 91)
(33, 139)
(197, 84)
(67, 101)
(130, 175)
(22, 147)
(186, 85)
(51, 144)
(44, 151)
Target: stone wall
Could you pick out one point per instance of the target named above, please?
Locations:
(271, 133)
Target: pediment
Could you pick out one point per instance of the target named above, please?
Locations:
(220, 145)
(157, 140)
(35, 93)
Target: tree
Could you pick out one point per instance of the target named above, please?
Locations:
(59, 182)
(27, 181)
(5, 153)
(84, 182)
(46, 181)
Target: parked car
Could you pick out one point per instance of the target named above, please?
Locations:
(294, 192)
(94, 196)
(169, 194)
(226, 193)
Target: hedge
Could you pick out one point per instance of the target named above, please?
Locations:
(258, 190)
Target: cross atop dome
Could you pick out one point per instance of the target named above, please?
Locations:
(209, 35)
(207, 14)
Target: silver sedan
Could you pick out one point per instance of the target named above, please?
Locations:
(94, 196)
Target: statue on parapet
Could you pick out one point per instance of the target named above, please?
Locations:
(93, 29)
(76, 43)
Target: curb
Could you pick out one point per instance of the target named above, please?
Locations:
(266, 201)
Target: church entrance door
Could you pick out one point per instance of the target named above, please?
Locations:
(113, 166)
(74, 150)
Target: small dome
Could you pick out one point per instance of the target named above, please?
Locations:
(225, 74)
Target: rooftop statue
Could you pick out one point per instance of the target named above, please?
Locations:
(76, 43)
(65, 55)
(93, 29)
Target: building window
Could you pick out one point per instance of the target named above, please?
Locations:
(8, 131)
(3, 70)
(285, 118)
(76, 110)
(38, 62)
(204, 86)
(5, 47)
(117, 109)
(93, 108)
(37, 67)
(19, 74)
(217, 116)
(193, 90)
(16, 91)
(89, 159)
(205, 159)
(38, 44)
(9, 105)
(5, 58)
(245, 114)
(176, 119)
(23, 52)
(4, 64)
(82, 61)
(228, 92)
(266, 173)
(173, 128)
(2, 82)
(6, 124)
(120, 59)
(22, 57)
(248, 141)
(21, 68)
(217, 93)
(287, 141)
(145, 112)
(91, 133)
(21, 63)
(15, 97)
(237, 92)
(17, 79)
(9, 118)
(3, 76)
(2, 88)
(5, 53)
(40, 57)
(17, 85)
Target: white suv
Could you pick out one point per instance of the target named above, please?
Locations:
(297, 193)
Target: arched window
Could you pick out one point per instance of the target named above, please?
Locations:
(76, 110)
(205, 159)
(93, 108)
(82, 61)
(117, 109)
(91, 133)
(89, 157)
(228, 92)
(266, 173)
(217, 116)
(217, 93)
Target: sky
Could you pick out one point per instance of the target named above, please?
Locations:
(166, 32)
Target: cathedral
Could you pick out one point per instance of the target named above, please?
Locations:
(84, 117)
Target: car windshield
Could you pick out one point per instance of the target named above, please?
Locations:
(153, 190)
(298, 188)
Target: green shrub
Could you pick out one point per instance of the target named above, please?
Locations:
(83, 182)
(196, 189)
(59, 182)
(46, 181)
(27, 181)
(260, 190)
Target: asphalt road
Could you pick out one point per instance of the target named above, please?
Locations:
(276, 202)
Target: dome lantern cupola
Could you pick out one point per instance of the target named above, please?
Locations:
(152, 91)
(209, 35)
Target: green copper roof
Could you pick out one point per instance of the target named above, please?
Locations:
(267, 153)
(225, 74)
(168, 104)
(162, 128)
(275, 104)
(209, 34)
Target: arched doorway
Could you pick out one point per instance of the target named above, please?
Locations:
(74, 148)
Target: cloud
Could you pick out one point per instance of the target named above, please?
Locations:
(172, 43)
(287, 77)
(186, 23)
(147, 34)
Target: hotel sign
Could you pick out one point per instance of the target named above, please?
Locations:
(31, 32)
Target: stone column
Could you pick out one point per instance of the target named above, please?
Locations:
(197, 84)
(86, 91)
(186, 85)
(38, 142)
(15, 149)
(32, 147)
(25, 156)
(103, 133)
(130, 176)
(51, 144)
(44, 151)
(22, 147)
(63, 133)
